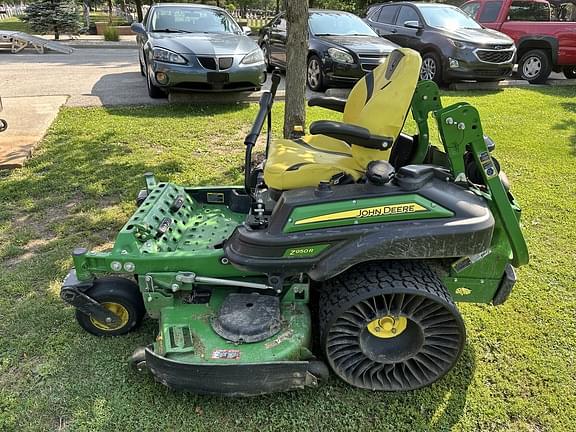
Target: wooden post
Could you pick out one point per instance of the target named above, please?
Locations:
(297, 53)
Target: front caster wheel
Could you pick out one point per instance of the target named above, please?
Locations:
(120, 296)
(390, 326)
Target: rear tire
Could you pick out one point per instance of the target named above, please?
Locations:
(569, 71)
(389, 326)
(120, 295)
(535, 66)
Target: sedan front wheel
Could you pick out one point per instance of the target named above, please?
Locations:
(154, 91)
(431, 68)
(314, 75)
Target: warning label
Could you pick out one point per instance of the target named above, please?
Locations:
(226, 354)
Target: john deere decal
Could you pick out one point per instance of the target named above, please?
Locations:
(366, 213)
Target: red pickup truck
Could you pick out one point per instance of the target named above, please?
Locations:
(544, 33)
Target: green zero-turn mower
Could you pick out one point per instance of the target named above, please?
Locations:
(345, 250)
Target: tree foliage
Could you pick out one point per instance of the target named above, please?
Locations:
(53, 16)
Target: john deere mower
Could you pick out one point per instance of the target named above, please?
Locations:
(344, 251)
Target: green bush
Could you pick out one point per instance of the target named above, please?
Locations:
(111, 34)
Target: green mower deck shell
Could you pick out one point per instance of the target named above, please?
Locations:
(186, 335)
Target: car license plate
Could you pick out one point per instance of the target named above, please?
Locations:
(217, 77)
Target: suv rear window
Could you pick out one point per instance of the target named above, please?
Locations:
(387, 14)
(490, 12)
(529, 11)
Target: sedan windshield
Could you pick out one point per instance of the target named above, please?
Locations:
(338, 24)
(192, 20)
(446, 17)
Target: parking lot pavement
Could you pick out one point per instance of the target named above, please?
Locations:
(88, 76)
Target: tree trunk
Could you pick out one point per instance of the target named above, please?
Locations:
(56, 33)
(86, 13)
(139, 10)
(297, 52)
(110, 12)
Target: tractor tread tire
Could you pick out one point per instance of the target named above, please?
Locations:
(368, 280)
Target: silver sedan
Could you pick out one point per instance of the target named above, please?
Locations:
(198, 48)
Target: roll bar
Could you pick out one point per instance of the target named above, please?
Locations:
(264, 114)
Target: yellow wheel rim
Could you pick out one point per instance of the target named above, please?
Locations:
(118, 310)
(388, 326)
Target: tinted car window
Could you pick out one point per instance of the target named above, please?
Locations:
(407, 14)
(372, 12)
(193, 20)
(471, 8)
(565, 11)
(447, 17)
(529, 11)
(322, 23)
(387, 14)
(490, 12)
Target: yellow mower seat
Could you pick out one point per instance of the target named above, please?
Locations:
(378, 102)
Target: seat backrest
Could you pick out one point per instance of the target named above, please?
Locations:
(381, 100)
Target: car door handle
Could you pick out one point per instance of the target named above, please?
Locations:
(393, 31)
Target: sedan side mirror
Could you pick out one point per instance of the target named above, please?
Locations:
(246, 30)
(413, 24)
(138, 28)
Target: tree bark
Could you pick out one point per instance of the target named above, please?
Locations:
(139, 10)
(110, 12)
(297, 53)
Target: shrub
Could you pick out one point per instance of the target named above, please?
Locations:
(111, 34)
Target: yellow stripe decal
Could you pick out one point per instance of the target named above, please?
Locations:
(366, 212)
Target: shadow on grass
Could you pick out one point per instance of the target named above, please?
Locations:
(129, 88)
(568, 124)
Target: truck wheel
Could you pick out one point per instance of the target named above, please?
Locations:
(389, 326)
(120, 296)
(431, 68)
(535, 66)
(569, 72)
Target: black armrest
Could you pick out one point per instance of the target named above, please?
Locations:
(331, 103)
(351, 134)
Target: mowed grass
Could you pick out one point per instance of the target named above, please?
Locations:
(14, 24)
(518, 370)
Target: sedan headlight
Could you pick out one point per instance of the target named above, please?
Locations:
(256, 56)
(460, 45)
(166, 56)
(340, 56)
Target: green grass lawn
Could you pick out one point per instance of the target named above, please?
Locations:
(518, 370)
(14, 24)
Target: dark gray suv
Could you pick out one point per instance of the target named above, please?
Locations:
(453, 46)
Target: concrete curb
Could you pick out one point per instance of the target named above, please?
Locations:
(100, 45)
(509, 84)
(220, 98)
